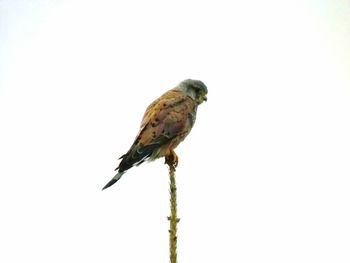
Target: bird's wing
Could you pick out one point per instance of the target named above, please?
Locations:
(164, 119)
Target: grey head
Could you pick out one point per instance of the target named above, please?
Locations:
(195, 89)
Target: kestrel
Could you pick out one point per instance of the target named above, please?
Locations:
(166, 123)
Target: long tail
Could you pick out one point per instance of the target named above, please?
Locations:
(134, 157)
(114, 180)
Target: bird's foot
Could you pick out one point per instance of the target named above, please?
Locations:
(171, 159)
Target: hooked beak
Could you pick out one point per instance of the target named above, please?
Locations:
(205, 98)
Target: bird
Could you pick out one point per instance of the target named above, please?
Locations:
(165, 124)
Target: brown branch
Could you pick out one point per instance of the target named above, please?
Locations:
(173, 215)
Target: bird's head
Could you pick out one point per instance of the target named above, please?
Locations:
(194, 89)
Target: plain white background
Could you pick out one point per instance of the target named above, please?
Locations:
(264, 174)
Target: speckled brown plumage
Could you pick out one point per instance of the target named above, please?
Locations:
(166, 123)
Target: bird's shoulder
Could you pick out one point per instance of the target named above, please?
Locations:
(166, 116)
(171, 101)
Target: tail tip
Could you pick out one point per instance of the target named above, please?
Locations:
(113, 181)
(110, 183)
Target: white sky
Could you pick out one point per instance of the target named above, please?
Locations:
(264, 174)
